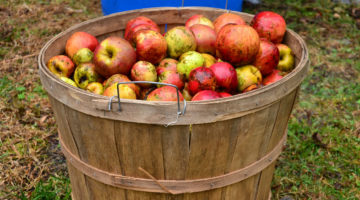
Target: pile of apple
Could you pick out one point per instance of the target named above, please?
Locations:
(204, 59)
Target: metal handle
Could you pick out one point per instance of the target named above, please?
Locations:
(179, 112)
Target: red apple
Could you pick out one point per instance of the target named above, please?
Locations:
(143, 71)
(140, 27)
(201, 78)
(125, 91)
(269, 25)
(114, 55)
(273, 77)
(166, 93)
(171, 78)
(199, 19)
(151, 46)
(138, 21)
(179, 40)
(237, 44)
(205, 38)
(287, 60)
(79, 40)
(227, 18)
(225, 75)
(61, 65)
(206, 95)
(167, 64)
(267, 58)
(224, 94)
(118, 78)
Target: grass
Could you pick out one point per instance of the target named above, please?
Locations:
(321, 160)
(322, 156)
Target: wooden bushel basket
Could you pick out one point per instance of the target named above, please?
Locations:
(220, 149)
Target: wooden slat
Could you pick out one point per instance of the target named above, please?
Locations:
(141, 146)
(96, 143)
(78, 182)
(252, 130)
(209, 151)
(285, 109)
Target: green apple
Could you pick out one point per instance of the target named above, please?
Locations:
(179, 40)
(189, 61)
(68, 81)
(287, 61)
(95, 87)
(84, 74)
(82, 56)
(247, 75)
(185, 92)
(209, 60)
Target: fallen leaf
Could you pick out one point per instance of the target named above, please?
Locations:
(355, 13)
(318, 140)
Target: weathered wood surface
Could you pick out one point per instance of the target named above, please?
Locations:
(215, 137)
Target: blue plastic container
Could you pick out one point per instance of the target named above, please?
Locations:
(113, 6)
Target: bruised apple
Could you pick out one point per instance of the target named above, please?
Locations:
(84, 74)
(201, 78)
(84, 55)
(61, 65)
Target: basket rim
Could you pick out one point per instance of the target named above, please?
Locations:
(300, 67)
